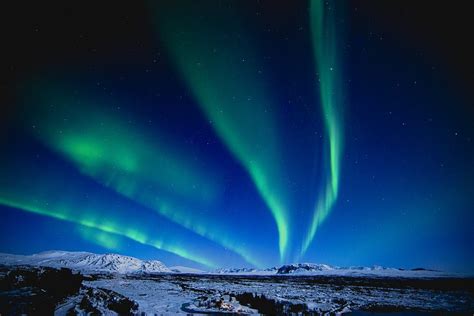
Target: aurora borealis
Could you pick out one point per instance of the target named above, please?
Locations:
(237, 104)
(228, 134)
(325, 45)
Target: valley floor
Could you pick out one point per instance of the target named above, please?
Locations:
(285, 294)
(44, 291)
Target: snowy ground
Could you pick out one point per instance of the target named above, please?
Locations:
(116, 284)
(187, 293)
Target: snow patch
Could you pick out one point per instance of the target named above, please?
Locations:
(87, 262)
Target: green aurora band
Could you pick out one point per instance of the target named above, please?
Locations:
(324, 38)
(153, 173)
(221, 69)
(132, 164)
(101, 238)
(90, 220)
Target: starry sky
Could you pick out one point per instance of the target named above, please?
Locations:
(230, 134)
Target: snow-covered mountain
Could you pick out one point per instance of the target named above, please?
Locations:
(246, 271)
(87, 262)
(181, 269)
(315, 269)
(298, 268)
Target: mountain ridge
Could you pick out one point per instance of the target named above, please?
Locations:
(87, 262)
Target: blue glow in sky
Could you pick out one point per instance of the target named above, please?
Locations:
(206, 136)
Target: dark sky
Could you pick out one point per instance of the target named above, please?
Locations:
(198, 134)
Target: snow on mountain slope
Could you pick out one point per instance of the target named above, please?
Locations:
(246, 271)
(181, 269)
(303, 268)
(87, 262)
(114, 263)
(375, 271)
(315, 269)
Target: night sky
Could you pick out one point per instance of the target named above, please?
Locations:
(229, 133)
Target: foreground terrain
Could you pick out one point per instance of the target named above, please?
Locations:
(33, 290)
(283, 294)
(90, 284)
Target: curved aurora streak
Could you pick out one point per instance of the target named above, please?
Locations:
(220, 68)
(239, 108)
(101, 238)
(133, 165)
(324, 39)
(106, 226)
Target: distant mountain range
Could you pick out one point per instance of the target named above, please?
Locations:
(324, 269)
(87, 262)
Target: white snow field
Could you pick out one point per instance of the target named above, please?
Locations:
(86, 262)
(293, 288)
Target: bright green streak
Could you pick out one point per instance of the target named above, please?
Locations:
(101, 238)
(326, 56)
(106, 147)
(122, 158)
(222, 73)
(106, 226)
